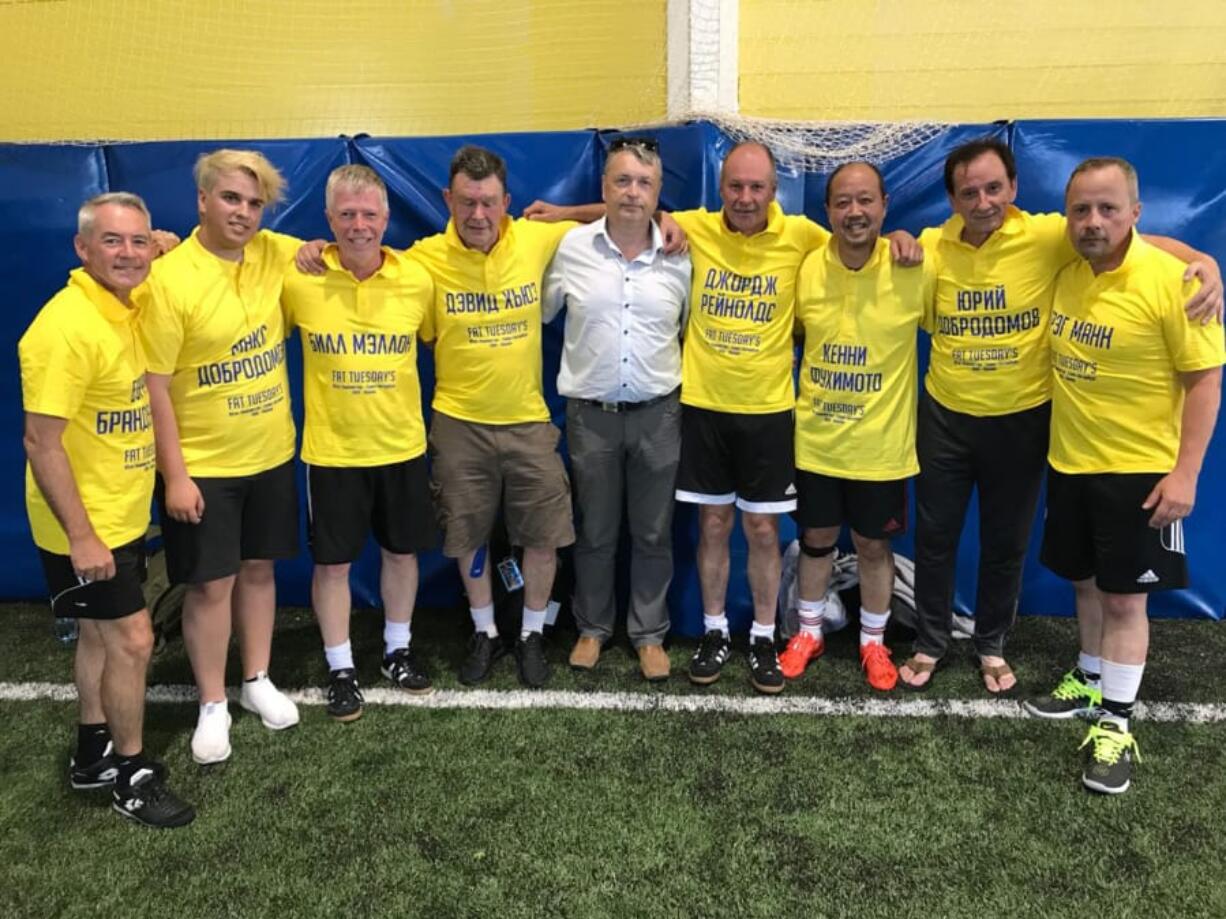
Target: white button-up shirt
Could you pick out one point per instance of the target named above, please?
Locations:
(623, 317)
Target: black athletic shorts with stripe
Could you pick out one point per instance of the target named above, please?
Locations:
(1096, 527)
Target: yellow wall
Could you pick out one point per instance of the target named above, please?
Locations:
(155, 69)
(977, 60)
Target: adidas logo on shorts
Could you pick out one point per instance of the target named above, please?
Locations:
(1148, 577)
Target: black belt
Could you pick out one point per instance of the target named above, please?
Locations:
(626, 406)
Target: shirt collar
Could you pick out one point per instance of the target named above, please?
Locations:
(1012, 225)
(657, 240)
(390, 268)
(880, 254)
(202, 256)
(110, 306)
(506, 231)
(774, 223)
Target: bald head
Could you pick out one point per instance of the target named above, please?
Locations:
(747, 184)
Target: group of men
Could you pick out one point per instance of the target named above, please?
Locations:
(678, 375)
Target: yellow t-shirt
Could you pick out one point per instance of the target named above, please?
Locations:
(855, 415)
(738, 344)
(363, 398)
(216, 327)
(82, 360)
(1119, 342)
(989, 332)
(486, 321)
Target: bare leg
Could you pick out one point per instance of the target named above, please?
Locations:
(255, 610)
(206, 635)
(129, 645)
(714, 529)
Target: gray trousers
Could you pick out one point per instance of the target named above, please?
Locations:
(623, 459)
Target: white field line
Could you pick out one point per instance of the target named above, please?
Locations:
(652, 702)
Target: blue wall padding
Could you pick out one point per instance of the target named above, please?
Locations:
(1183, 182)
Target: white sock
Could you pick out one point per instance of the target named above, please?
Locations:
(396, 635)
(339, 657)
(483, 619)
(208, 709)
(872, 627)
(762, 630)
(534, 621)
(715, 623)
(551, 612)
(1121, 682)
(812, 612)
(1091, 666)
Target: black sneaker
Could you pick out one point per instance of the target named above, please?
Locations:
(1108, 766)
(1073, 697)
(401, 668)
(149, 802)
(709, 659)
(94, 775)
(483, 653)
(530, 656)
(764, 672)
(344, 698)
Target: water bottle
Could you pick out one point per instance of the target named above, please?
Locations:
(65, 630)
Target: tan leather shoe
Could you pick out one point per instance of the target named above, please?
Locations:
(585, 653)
(653, 662)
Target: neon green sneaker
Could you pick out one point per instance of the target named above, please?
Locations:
(1072, 698)
(1109, 759)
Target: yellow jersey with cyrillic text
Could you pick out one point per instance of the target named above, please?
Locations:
(360, 385)
(486, 321)
(738, 345)
(989, 328)
(855, 413)
(81, 360)
(1119, 343)
(215, 327)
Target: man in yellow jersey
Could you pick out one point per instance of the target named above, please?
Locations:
(738, 398)
(1137, 386)
(491, 439)
(364, 442)
(859, 314)
(983, 420)
(89, 439)
(625, 303)
(215, 338)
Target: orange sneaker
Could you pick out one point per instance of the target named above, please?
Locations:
(880, 670)
(802, 649)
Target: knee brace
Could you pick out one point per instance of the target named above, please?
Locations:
(821, 552)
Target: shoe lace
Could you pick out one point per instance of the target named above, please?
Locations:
(1110, 743)
(711, 644)
(875, 655)
(1071, 688)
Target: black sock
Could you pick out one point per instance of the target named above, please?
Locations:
(92, 740)
(127, 767)
(1118, 709)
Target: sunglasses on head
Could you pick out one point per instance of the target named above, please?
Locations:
(643, 143)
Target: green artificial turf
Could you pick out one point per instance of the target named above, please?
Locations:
(469, 813)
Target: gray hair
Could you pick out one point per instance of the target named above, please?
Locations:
(1095, 163)
(645, 155)
(85, 216)
(354, 177)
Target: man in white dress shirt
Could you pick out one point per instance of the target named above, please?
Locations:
(626, 304)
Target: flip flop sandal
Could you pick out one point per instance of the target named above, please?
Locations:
(997, 672)
(917, 666)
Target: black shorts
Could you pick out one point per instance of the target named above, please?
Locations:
(392, 501)
(1096, 527)
(122, 595)
(245, 517)
(875, 510)
(729, 458)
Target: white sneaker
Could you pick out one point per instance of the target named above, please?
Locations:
(211, 739)
(276, 710)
